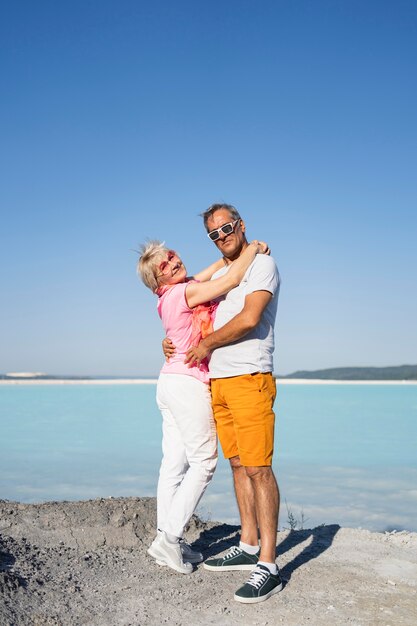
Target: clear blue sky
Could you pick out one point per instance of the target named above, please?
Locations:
(124, 120)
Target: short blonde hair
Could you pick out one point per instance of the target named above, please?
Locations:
(151, 254)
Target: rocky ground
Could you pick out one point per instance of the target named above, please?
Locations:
(82, 563)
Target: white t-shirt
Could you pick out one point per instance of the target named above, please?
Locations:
(252, 353)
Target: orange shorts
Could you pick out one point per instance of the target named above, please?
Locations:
(242, 407)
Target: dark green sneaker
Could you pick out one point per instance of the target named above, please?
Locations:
(235, 559)
(260, 586)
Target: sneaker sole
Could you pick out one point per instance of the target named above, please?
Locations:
(155, 556)
(229, 568)
(164, 561)
(260, 598)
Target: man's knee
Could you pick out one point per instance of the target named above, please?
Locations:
(235, 463)
(261, 472)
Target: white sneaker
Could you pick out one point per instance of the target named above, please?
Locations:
(170, 554)
(188, 554)
(152, 548)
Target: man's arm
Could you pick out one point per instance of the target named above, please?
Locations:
(236, 328)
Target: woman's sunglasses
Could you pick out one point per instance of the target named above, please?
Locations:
(164, 266)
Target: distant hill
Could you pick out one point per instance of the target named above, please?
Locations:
(400, 372)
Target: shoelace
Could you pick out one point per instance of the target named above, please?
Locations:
(257, 578)
(234, 551)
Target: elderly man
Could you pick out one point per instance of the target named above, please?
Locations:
(243, 393)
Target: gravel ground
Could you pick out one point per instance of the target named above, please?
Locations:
(86, 563)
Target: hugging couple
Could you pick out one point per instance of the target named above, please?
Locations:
(217, 381)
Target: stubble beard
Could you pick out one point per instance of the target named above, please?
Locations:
(232, 256)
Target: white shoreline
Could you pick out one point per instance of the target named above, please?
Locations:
(152, 381)
(321, 381)
(89, 381)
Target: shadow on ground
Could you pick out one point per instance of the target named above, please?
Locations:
(217, 539)
(321, 538)
(222, 537)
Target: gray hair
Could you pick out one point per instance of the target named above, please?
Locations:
(234, 213)
(151, 254)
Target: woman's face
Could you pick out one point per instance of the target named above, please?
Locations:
(171, 270)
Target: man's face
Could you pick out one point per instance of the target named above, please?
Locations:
(230, 245)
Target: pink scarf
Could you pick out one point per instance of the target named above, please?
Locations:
(203, 318)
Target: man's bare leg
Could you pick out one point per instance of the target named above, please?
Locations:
(245, 497)
(266, 496)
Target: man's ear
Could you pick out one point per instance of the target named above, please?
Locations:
(242, 226)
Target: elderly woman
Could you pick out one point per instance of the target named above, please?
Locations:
(189, 442)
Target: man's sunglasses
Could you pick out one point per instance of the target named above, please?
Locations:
(226, 229)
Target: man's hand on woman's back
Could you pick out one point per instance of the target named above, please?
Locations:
(168, 348)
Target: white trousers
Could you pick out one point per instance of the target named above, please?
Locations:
(189, 448)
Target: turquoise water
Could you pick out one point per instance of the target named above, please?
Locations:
(344, 453)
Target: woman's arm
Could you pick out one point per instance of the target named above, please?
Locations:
(208, 272)
(197, 293)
